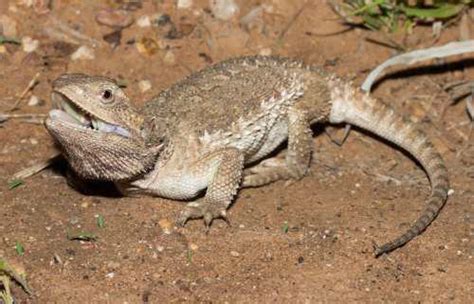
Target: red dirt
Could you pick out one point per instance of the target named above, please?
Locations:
(362, 192)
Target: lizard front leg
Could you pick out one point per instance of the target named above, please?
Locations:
(225, 174)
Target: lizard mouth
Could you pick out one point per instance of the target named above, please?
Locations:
(67, 112)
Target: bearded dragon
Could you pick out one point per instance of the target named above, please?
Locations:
(213, 131)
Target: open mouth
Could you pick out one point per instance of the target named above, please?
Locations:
(68, 112)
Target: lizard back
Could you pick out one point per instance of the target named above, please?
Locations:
(218, 97)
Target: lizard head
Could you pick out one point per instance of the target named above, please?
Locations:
(97, 129)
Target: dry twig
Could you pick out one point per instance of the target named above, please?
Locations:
(30, 86)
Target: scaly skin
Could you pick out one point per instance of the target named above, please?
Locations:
(213, 130)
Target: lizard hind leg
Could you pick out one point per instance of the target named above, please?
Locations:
(224, 168)
(298, 155)
(267, 171)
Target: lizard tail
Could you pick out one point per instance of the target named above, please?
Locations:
(357, 108)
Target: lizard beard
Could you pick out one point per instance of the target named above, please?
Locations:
(102, 156)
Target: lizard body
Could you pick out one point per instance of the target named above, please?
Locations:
(213, 130)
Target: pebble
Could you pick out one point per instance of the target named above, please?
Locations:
(144, 85)
(83, 53)
(34, 101)
(114, 18)
(265, 52)
(29, 44)
(165, 225)
(193, 247)
(223, 9)
(110, 275)
(169, 58)
(147, 46)
(184, 4)
(3, 49)
(33, 141)
(234, 254)
(144, 21)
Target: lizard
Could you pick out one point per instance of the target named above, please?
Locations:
(212, 133)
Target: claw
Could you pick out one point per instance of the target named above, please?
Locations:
(181, 221)
(227, 221)
(204, 211)
(208, 217)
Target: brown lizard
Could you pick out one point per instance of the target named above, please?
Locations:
(212, 130)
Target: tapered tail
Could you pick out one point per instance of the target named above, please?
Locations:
(357, 108)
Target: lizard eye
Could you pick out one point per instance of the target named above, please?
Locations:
(107, 96)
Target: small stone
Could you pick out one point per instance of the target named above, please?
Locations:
(114, 18)
(165, 225)
(144, 21)
(113, 38)
(184, 4)
(223, 9)
(193, 247)
(3, 49)
(265, 52)
(144, 85)
(83, 53)
(234, 254)
(29, 44)
(35, 101)
(110, 275)
(33, 141)
(147, 46)
(169, 58)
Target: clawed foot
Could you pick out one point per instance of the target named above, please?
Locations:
(205, 210)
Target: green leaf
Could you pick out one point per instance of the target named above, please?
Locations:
(445, 11)
(20, 250)
(15, 183)
(100, 221)
(285, 227)
(4, 39)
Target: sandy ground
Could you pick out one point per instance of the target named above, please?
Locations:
(306, 242)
